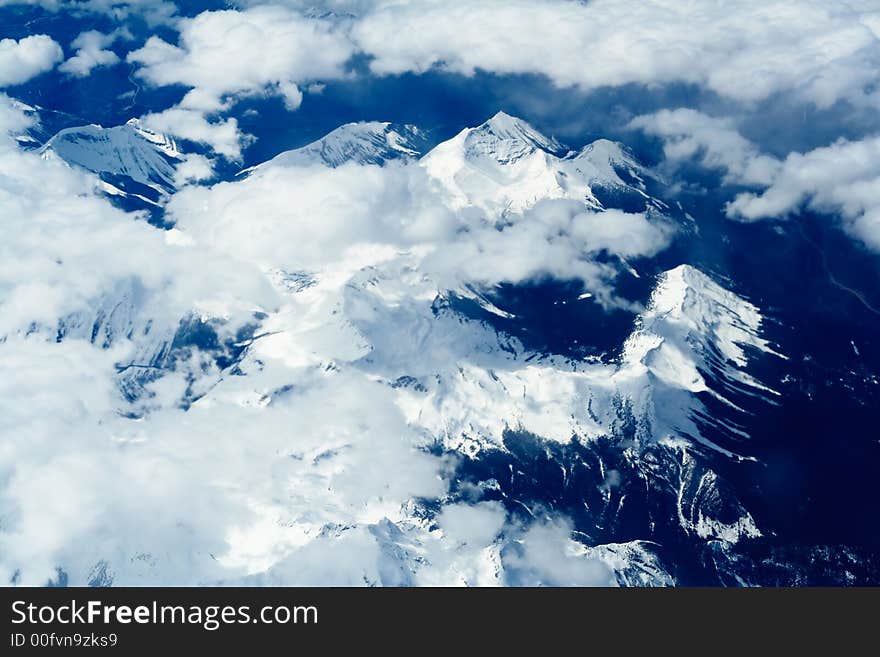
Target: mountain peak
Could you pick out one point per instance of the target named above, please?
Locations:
(508, 138)
(690, 310)
(502, 117)
(364, 142)
(501, 120)
(129, 150)
(611, 152)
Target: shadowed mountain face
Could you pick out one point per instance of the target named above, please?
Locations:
(390, 320)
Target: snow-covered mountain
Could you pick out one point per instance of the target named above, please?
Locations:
(505, 165)
(346, 404)
(462, 384)
(42, 124)
(693, 339)
(136, 165)
(466, 382)
(367, 142)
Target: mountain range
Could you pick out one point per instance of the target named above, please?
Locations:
(636, 431)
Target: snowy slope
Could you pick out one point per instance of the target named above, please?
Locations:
(463, 381)
(695, 337)
(42, 124)
(131, 160)
(505, 165)
(459, 382)
(367, 142)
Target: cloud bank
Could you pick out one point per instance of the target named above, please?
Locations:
(841, 179)
(741, 50)
(689, 135)
(225, 55)
(91, 53)
(26, 58)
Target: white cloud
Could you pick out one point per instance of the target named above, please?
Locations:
(476, 524)
(296, 218)
(217, 492)
(341, 7)
(714, 142)
(79, 477)
(291, 94)
(26, 58)
(820, 52)
(48, 4)
(12, 119)
(67, 253)
(91, 52)
(842, 178)
(740, 50)
(546, 555)
(555, 238)
(306, 470)
(223, 55)
(232, 52)
(193, 168)
(222, 135)
(812, 51)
